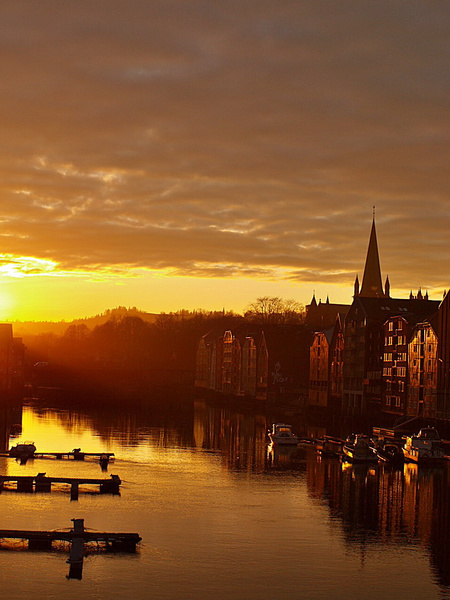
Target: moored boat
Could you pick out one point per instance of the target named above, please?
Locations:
(329, 447)
(425, 446)
(281, 434)
(390, 453)
(24, 449)
(358, 449)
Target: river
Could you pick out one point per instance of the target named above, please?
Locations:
(220, 517)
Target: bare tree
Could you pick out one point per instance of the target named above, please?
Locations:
(275, 310)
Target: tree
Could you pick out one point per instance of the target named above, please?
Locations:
(275, 311)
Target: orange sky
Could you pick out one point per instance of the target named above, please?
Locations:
(201, 154)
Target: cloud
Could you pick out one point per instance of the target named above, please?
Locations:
(220, 139)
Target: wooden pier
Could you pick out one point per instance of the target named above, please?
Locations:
(42, 483)
(77, 537)
(73, 455)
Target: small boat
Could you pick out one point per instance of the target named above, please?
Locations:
(357, 449)
(329, 447)
(24, 449)
(425, 446)
(390, 453)
(281, 434)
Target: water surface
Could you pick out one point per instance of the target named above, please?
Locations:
(221, 518)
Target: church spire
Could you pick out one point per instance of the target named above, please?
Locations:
(372, 286)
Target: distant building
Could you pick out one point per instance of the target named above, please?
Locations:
(263, 362)
(320, 316)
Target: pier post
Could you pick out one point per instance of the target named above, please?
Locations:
(74, 488)
(111, 486)
(76, 551)
(43, 483)
(77, 454)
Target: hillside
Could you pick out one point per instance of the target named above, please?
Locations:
(30, 328)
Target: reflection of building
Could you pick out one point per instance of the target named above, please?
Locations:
(241, 438)
(380, 505)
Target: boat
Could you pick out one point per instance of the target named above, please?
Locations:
(329, 447)
(425, 446)
(390, 453)
(357, 449)
(23, 449)
(281, 434)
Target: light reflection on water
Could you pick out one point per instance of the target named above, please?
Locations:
(221, 516)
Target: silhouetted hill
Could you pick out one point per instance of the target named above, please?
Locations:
(30, 328)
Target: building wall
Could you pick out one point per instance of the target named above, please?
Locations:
(319, 374)
(423, 372)
(395, 366)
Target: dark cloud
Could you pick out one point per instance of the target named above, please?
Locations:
(220, 138)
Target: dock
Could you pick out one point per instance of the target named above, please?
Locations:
(77, 536)
(72, 455)
(42, 483)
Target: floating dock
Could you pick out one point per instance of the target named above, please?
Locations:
(77, 537)
(73, 455)
(42, 483)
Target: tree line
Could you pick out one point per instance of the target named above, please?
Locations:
(169, 341)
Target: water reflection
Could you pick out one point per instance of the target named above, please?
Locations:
(373, 506)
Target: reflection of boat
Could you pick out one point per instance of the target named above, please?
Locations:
(15, 429)
(357, 449)
(390, 453)
(424, 446)
(24, 449)
(281, 434)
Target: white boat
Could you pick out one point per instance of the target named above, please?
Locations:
(424, 446)
(357, 449)
(23, 449)
(281, 434)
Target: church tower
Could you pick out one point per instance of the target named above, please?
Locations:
(372, 286)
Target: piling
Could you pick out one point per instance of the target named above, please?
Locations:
(74, 489)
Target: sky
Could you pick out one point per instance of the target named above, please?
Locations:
(178, 154)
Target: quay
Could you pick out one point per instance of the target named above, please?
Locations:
(42, 483)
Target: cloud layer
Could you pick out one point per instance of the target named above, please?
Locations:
(214, 139)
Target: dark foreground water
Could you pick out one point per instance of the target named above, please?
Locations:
(221, 518)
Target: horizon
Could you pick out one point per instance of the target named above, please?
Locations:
(178, 156)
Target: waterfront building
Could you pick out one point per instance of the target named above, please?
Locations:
(395, 366)
(267, 362)
(443, 399)
(367, 346)
(326, 367)
(423, 371)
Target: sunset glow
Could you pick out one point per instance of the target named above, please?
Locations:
(199, 155)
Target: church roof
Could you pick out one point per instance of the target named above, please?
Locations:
(372, 286)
